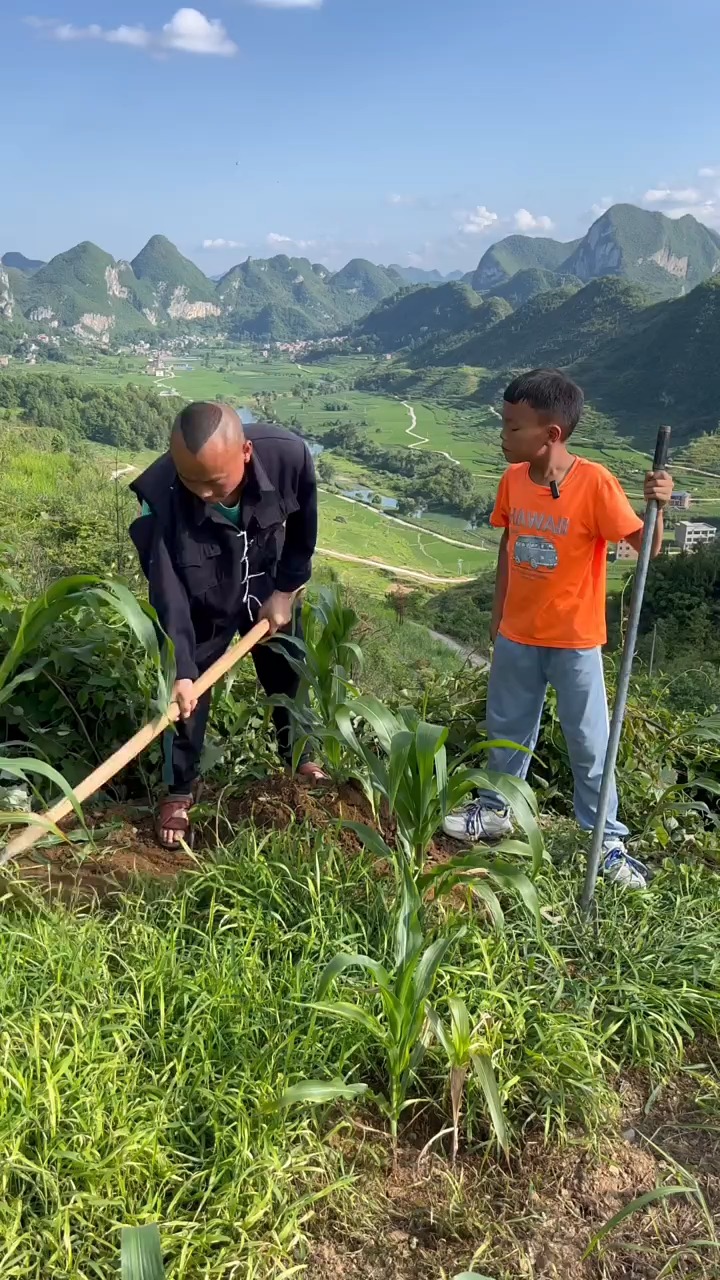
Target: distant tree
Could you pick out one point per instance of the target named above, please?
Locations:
(325, 469)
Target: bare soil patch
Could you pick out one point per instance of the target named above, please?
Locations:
(533, 1219)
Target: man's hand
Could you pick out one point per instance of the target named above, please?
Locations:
(183, 695)
(658, 487)
(277, 610)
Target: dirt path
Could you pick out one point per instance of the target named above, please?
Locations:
(122, 471)
(418, 439)
(406, 524)
(390, 568)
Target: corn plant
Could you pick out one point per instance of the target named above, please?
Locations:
(411, 775)
(406, 1021)
(463, 1047)
(403, 992)
(141, 1254)
(20, 769)
(83, 590)
(326, 660)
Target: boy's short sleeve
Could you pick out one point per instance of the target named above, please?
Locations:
(500, 518)
(614, 516)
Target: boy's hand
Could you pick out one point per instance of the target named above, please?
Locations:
(658, 487)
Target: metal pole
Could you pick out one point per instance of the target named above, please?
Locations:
(651, 512)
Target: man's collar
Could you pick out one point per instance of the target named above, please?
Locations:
(258, 498)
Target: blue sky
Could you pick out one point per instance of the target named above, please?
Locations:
(412, 131)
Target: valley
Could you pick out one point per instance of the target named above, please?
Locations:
(305, 969)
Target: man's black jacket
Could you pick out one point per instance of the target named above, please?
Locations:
(208, 579)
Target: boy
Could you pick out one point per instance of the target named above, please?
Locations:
(558, 513)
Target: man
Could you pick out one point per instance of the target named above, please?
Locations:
(225, 537)
(558, 512)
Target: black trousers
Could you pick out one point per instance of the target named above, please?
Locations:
(183, 747)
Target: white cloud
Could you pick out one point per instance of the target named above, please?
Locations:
(708, 212)
(188, 31)
(708, 173)
(600, 207)
(673, 195)
(396, 198)
(219, 243)
(478, 221)
(525, 221)
(282, 243)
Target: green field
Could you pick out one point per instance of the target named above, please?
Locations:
(359, 530)
(318, 396)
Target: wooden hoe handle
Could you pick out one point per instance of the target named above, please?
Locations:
(142, 739)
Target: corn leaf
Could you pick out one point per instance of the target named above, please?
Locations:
(315, 1092)
(658, 1193)
(508, 877)
(483, 1069)
(352, 1013)
(141, 1254)
(408, 933)
(346, 960)
(370, 838)
(429, 963)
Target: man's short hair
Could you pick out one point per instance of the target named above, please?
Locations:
(198, 422)
(550, 393)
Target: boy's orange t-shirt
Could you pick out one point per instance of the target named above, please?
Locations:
(557, 554)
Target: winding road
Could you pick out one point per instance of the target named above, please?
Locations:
(418, 439)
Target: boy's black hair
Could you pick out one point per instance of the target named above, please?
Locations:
(549, 392)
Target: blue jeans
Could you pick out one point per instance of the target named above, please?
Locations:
(519, 677)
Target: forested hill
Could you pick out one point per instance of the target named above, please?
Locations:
(126, 417)
(634, 357)
(86, 290)
(667, 256)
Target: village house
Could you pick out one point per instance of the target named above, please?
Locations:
(691, 534)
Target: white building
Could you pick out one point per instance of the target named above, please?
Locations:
(690, 534)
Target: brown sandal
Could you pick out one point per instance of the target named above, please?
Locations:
(173, 815)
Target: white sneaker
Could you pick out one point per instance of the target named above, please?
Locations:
(478, 821)
(619, 868)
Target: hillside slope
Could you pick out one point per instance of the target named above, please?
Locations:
(665, 370)
(85, 288)
(415, 314)
(667, 256)
(19, 262)
(287, 298)
(177, 287)
(527, 284)
(517, 253)
(555, 328)
(416, 275)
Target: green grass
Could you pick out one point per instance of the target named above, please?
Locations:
(141, 1044)
(357, 530)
